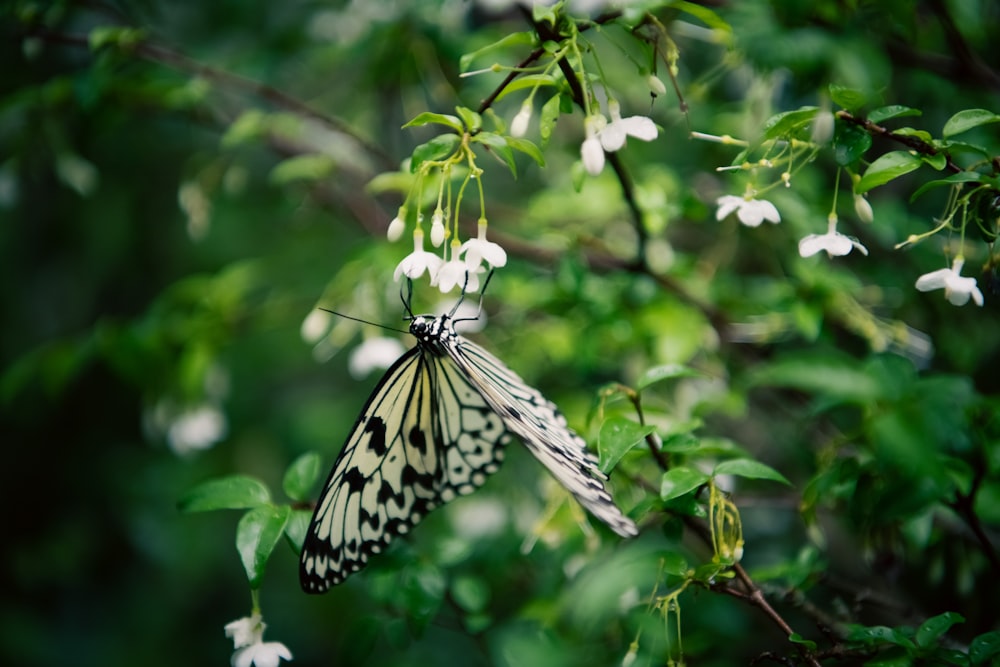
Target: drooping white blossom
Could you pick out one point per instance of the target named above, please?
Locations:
(591, 151)
(957, 289)
(478, 249)
(833, 242)
(248, 639)
(614, 134)
(418, 261)
(751, 212)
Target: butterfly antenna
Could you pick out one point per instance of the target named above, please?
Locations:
(358, 319)
(407, 299)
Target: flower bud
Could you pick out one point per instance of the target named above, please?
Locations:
(397, 226)
(519, 126)
(863, 209)
(437, 228)
(655, 85)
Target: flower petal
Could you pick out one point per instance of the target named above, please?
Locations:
(933, 280)
(640, 127)
(838, 245)
(727, 204)
(812, 244)
(592, 155)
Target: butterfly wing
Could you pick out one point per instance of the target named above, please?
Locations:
(543, 429)
(424, 436)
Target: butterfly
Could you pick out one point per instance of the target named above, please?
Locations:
(436, 425)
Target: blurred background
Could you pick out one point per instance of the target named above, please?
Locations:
(163, 244)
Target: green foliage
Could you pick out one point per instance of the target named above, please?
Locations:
(806, 439)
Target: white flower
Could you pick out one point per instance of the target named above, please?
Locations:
(751, 212)
(418, 261)
(833, 242)
(478, 249)
(613, 134)
(373, 354)
(956, 288)
(456, 272)
(437, 228)
(397, 226)
(519, 125)
(591, 152)
(248, 639)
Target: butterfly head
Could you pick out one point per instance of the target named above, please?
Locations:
(432, 332)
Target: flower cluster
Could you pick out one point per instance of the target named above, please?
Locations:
(601, 135)
(460, 264)
(752, 212)
(248, 639)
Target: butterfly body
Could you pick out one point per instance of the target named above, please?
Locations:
(435, 428)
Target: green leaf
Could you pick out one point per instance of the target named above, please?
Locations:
(311, 167)
(871, 636)
(528, 81)
(528, 148)
(301, 476)
(227, 493)
(619, 436)
(498, 145)
(470, 593)
(749, 469)
(472, 120)
(796, 638)
(789, 123)
(849, 143)
(954, 179)
(256, 535)
(123, 38)
(427, 118)
(984, 647)
(437, 148)
(892, 111)
(680, 481)
(848, 98)
(966, 120)
(886, 168)
(525, 38)
(666, 372)
(547, 121)
(931, 630)
(297, 527)
(674, 563)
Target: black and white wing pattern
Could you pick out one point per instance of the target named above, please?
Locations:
(543, 429)
(425, 436)
(434, 428)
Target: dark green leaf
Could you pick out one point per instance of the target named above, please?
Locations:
(618, 436)
(550, 114)
(680, 481)
(848, 98)
(674, 563)
(966, 120)
(886, 168)
(984, 647)
(437, 148)
(892, 111)
(470, 593)
(789, 123)
(256, 535)
(961, 177)
(301, 476)
(823, 373)
(931, 630)
(749, 469)
(796, 638)
(849, 143)
(234, 492)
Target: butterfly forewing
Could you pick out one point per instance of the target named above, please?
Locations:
(425, 436)
(543, 429)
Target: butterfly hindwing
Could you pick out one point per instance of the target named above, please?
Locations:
(425, 436)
